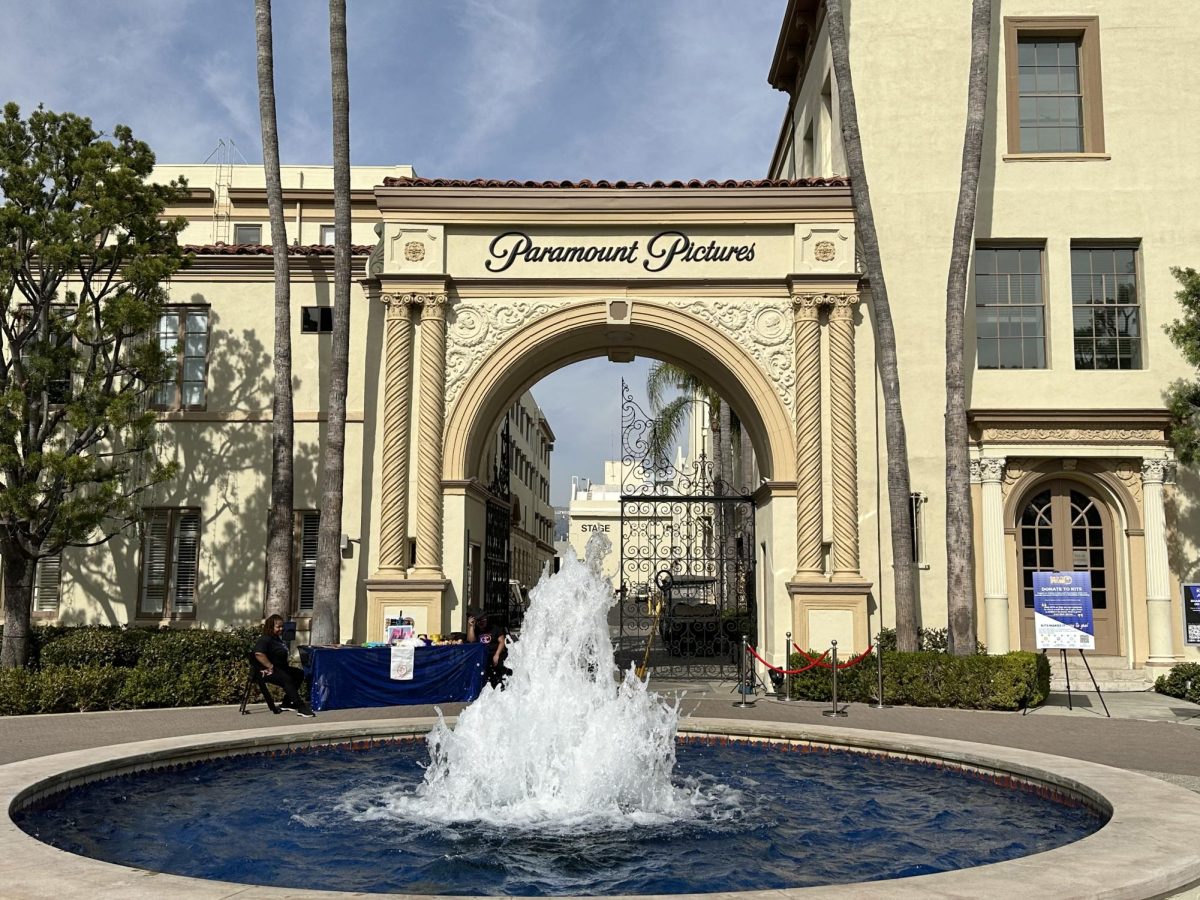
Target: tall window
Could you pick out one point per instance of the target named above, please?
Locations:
(1107, 317)
(327, 235)
(1053, 86)
(170, 562)
(183, 333)
(47, 584)
(1010, 324)
(308, 523)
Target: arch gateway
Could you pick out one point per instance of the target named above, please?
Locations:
(488, 287)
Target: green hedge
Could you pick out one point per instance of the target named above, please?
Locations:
(1182, 681)
(105, 667)
(930, 678)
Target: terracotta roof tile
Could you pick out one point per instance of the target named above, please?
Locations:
(619, 185)
(222, 249)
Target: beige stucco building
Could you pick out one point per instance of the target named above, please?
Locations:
(1088, 195)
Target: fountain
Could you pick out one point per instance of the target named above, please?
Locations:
(577, 779)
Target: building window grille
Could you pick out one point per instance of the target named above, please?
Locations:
(916, 515)
(1010, 325)
(183, 334)
(308, 523)
(1106, 308)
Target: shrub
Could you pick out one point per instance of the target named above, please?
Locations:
(931, 678)
(96, 645)
(177, 649)
(70, 689)
(18, 692)
(1182, 681)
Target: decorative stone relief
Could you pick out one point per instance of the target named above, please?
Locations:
(825, 251)
(825, 248)
(475, 329)
(1074, 435)
(763, 328)
(414, 251)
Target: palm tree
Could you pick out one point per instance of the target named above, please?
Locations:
(671, 415)
(899, 491)
(279, 535)
(325, 628)
(960, 548)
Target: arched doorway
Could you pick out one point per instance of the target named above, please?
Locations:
(1064, 526)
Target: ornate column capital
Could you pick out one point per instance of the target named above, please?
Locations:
(843, 306)
(1158, 471)
(433, 306)
(808, 306)
(988, 469)
(398, 305)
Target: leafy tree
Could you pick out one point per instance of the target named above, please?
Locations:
(84, 253)
(325, 625)
(279, 537)
(1183, 396)
(960, 534)
(896, 437)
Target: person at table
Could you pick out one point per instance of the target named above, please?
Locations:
(491, 631)
(271, 654)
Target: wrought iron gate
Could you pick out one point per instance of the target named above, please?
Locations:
(497, 533)
(687, 581)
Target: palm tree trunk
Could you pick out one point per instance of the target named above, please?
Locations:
(899, 491)
(279, 535)
(960, 547)
(326, 628)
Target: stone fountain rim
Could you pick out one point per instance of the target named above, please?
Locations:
(1146, 850)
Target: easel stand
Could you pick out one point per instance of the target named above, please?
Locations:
(1067, 673)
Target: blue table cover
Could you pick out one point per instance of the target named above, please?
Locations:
(351, 677)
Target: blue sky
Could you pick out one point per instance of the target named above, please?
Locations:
(527, 89)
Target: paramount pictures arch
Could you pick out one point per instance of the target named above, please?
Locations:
(753, 286)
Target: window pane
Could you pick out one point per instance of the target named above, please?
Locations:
(985, 261)
(1026, 55)
(1046, 53)
(1008, 261)
(1068, 53)
(1028, 111)
(1068, 80)
(989, 354)
(193, 394)
(310, 320)
(195, 345)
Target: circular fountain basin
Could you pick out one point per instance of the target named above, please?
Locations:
(1146, 849)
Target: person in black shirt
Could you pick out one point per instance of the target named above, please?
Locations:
(491, 630)
(271, 654)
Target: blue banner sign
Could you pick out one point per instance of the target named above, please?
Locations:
(1191, 613)
(1062, 611)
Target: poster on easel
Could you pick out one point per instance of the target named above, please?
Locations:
(1191, 613)
(1062, 611)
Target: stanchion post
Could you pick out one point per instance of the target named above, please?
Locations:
(835, 711)
(879, 704)
(742, 702)
(786, 696)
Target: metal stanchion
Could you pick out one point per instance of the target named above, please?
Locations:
(786, 696)
(836, 711)
(742, 702)
(879, 704)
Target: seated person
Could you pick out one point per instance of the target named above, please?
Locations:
(491, 630)
(271, 654)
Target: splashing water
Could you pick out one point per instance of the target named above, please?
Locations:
(564, 746)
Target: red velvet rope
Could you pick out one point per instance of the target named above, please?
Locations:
(754, 653)
(824, 665)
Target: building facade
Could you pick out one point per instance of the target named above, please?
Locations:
(1087, 198)
(199, 560)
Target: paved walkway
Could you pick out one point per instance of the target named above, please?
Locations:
(1147, 733)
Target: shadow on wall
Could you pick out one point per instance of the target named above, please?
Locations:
(1183, 525)
(224, 469)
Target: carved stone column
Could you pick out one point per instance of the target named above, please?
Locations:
(430, 427)
(843, 436)
(990, 472)
(1158, 573)
(393, 517)
(806, 319)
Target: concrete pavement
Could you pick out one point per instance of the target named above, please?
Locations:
(1147, 733)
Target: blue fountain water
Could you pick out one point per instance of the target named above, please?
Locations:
(568, 782)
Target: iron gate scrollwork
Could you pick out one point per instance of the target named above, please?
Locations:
(686, 581)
